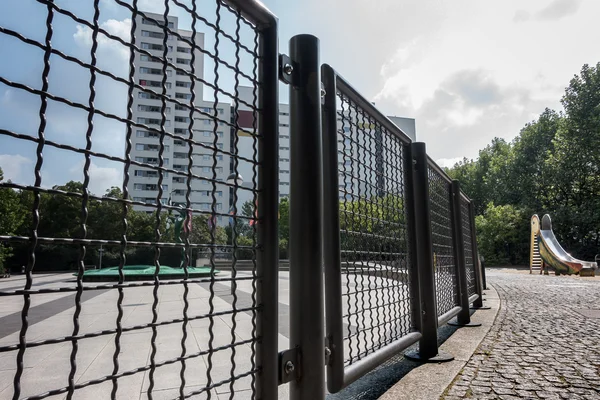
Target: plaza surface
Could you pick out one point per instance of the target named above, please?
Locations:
(370, 303)
(51, 316)
(544, 344)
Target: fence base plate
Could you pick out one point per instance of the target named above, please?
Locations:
(440, 357)
(469, 325)
(480, 308)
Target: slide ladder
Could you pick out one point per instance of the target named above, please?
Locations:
(535, 259)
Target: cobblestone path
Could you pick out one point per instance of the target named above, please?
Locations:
(545, 342)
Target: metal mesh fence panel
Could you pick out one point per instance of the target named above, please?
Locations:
(373, 232)
(443, 250)
(180, 95)
(467, 244)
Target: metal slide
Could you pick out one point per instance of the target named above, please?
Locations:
(555, 256)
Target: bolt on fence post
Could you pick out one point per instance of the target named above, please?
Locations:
(307, 331)
(464, 316)
(422, 256)
(477, 304)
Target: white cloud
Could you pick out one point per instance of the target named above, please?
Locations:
(101, 178)
(558, 9)
(448, 162)
(115, 52)
(17, 168)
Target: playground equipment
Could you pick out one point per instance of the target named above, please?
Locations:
(547, 252)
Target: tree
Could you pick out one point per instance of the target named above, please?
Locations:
(12, 217)
(501, 235)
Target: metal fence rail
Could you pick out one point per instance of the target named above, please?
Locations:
(367, 288)
(470, 265)
(446, 285)
(379, 234)
(206, 329)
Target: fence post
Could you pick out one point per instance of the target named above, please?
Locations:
(307, 332)
(464, 317)
(479, 278)
(268, 229)
(422, 256)
(482, 262)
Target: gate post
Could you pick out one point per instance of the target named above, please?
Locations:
(464, 317)
(425, 309)
(307, 332)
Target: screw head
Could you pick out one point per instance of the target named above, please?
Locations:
(327, 352)
(288, 69)
(289, 367)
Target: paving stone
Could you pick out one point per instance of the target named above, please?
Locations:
(538, 348)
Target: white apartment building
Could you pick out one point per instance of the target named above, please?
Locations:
(143, 184)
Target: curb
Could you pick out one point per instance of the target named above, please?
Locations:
(430, 381)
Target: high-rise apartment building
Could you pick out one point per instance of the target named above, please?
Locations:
(143, 184)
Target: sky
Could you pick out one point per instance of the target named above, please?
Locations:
(466, 70)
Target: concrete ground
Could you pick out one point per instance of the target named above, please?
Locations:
(51, 316)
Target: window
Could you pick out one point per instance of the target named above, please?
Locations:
(206, 133)
(283, 171)
(184, 49)
(170, 49)
(181, 131)
(183, 61)
(146, 134)
(153, 71)
(283, 148)
(182, 119)
(151, 46)
(144, 57)
(284, 160)
(178, 142)
(158, 35)
(183, 84)
(145, 82)
(284, 125)
(221, 111)
(284, 183)
(205, 182)
(142, 107)
(178, 179)
(150, 96)
(284, 137)
(181, 108)
(284, 113)
(209, 157)
(179, 155)
(186, 96)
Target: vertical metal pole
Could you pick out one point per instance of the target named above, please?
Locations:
(482, 260)
(476, 265)
(268, 203)
(422, 255)
(307, 331)
(464, 316)
(331, 234)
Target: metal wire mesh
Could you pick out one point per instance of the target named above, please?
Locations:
(186, 109)
(373, 232)
(467, 245)
(443, 248)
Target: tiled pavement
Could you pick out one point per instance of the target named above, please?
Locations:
(545, 343)
(51, 316)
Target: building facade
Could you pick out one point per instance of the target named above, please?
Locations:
(204, 125)
(216, 131)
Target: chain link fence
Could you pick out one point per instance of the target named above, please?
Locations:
(185, 98)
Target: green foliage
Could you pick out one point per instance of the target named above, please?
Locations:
(552, 166)
(500, 233)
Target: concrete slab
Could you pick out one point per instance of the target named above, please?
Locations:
(429, 381)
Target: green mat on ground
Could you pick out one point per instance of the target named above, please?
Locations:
(144, 272)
